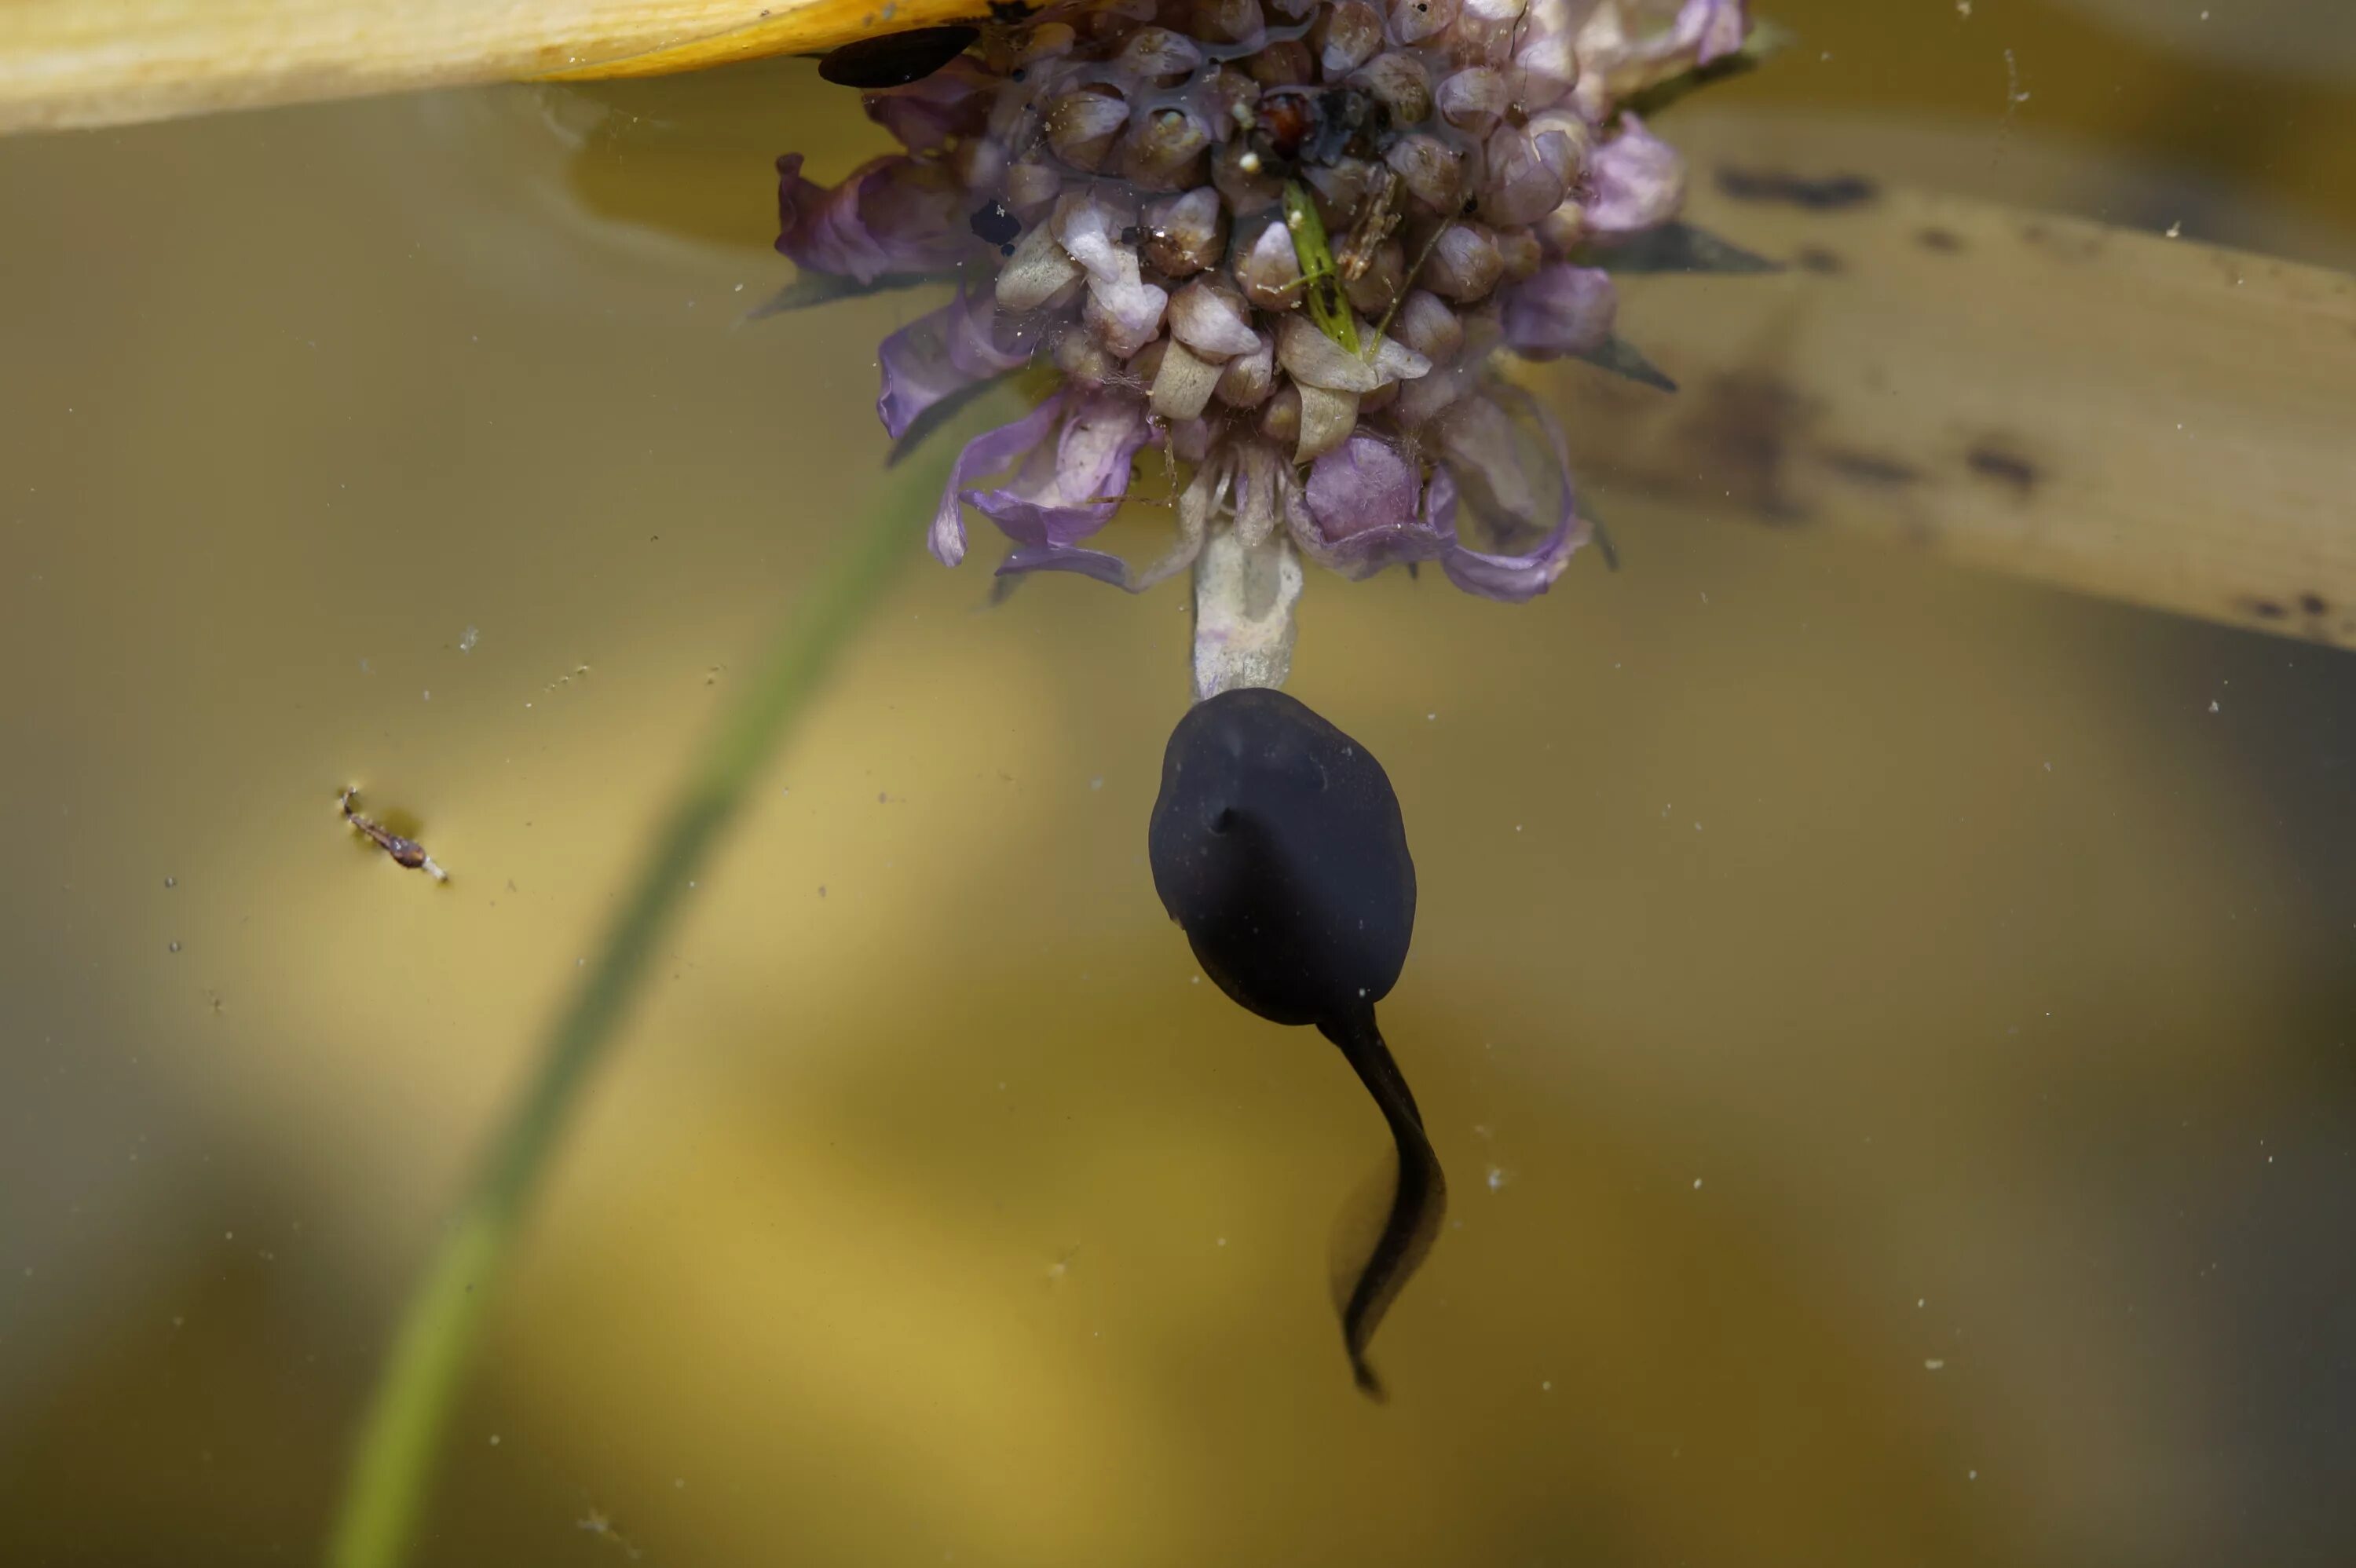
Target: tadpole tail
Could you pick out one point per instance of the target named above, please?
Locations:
(1418, 1203)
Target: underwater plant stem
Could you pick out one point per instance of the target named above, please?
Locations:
(386, 1489)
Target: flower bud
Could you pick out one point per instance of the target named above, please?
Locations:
(1164, 151)
(1374, 290)
(1159, 56)
(1412, 21)
(1474, 100)
(1428, 326)
(1346, 36)
(1080, 125)
(1280, 420)
(1243, 179)
(1432, 171)
(1185, 234)
(1464, 264)
(1285, 63)
(1228, 21)
(1397, 81)
(1248, 378)
(1269, 270)
(1525, 178)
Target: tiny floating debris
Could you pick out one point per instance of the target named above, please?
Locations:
(406, 852)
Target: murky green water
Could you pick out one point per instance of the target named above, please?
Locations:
(1889, 1028)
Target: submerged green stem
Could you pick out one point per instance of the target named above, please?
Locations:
(385, 1491)
(1328, 307)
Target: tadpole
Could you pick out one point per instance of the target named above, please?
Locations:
(1277, 846)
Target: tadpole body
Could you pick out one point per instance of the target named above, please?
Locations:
(896, 59)
(1277, 844)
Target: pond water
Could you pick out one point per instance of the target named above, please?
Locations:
(1890, 1028)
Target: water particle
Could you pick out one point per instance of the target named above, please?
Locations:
(2176, 230)
(2212, 706)
(171, 882)
(494, 1439)
(1497, 1178)
(176, 947)
(467, 639)
(1223, 1240)
(1546, 1387)
(1096, 784)
(1933, 1365)
(1430, 717)
(429, 696)
(1971, 1474)
(1696, 1184)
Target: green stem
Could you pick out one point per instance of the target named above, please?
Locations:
(385, 1491)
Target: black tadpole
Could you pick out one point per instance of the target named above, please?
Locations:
(1277, 844)
(896, 59)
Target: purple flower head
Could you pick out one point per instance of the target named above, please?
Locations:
(1126, 190)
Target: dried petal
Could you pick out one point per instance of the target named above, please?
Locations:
(1182, 384)
(1280, 420)
(1249, 378)
(1039, 269)
(1211, 322)
(1327, 418)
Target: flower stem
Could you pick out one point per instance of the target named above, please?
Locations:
(385, 1491)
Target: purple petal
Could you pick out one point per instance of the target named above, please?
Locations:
(893, 214)
(939, 354)
(1096, 564)
(927, 115)
(1636, 182)
(986, 453)
(1360, 510)
(1514, 578)
(1560, 309)
(1061, 499)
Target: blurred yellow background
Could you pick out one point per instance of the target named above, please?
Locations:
(1887, 1029)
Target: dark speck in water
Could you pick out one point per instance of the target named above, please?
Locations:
(1868, 469)
(1947, 241)
(1816, 259)
(2005, 467)
(1832, 193)
(2313, 604)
